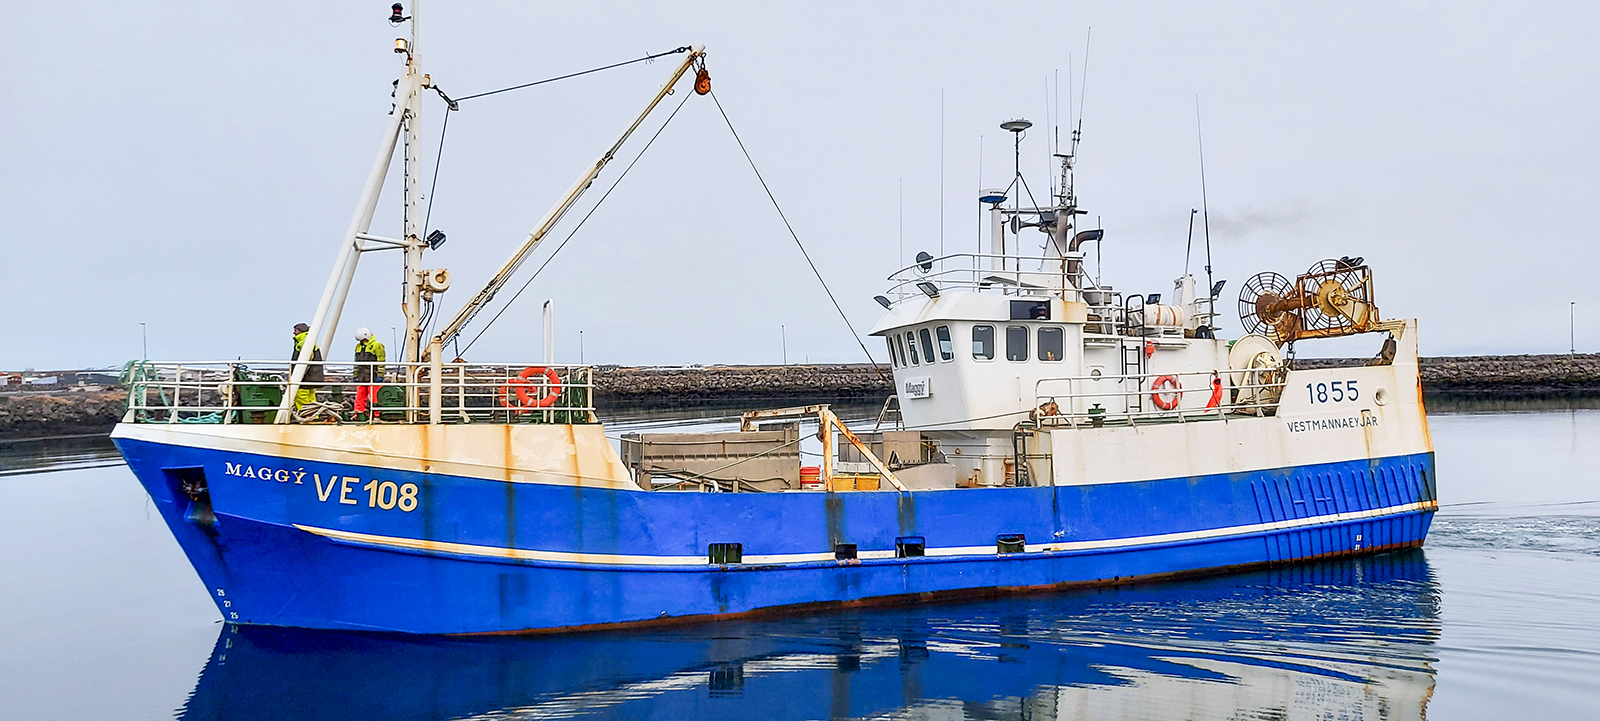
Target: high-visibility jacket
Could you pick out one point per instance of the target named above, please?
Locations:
(369, 361)
(313, 373)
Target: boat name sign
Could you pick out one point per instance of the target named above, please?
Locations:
(386, 495)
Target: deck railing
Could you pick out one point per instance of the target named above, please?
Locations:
(1156, 397)
(1109, 312)
(248, 392)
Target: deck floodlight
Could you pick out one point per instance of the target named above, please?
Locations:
(992, 195)
(928, 289)
(883, 301)
(1153, 299)
(924, 261)
(1216, 289)
(435, 239)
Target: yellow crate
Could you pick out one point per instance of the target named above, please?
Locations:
(856, 483)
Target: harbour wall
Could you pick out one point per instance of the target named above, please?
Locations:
(1452, 379)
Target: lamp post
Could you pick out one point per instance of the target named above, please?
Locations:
(580, 347)
(1572, 328)
(783, 335)
(144, 341)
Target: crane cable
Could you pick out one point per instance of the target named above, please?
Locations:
(796, 237)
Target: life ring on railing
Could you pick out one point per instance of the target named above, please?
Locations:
(526, 400)
(1163, 398)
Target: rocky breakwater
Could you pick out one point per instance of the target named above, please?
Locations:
(616, 386)
(1512, 376)
(1498, 376)
(55, 413)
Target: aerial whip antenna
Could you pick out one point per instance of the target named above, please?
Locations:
(1205, 205)
(1083, 87)
(1189, 246)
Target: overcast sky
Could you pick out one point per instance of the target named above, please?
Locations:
(192, 166)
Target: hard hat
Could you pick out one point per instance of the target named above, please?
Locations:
(363, 334)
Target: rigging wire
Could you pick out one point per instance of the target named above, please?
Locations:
(796, 236)
(576, 228)
(438, 157)
(646, 58)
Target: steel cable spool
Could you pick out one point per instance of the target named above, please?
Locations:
(1257, 298)
(1340, 295)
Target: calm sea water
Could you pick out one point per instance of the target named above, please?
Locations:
(1498, 617)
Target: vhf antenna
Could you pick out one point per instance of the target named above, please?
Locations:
(1189, 246)
(1077, 134)
(1211, 288)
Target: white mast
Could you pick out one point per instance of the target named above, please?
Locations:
(325, 321)
(412, 301)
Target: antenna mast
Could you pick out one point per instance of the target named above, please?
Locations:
(1206, 210)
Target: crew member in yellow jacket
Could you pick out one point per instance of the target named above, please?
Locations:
(368, 371)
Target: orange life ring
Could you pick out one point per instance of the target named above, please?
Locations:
(525, 400)
(1164, 399)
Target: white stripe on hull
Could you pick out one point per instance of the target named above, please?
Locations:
(608, 559)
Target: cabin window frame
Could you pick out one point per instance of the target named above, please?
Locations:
(911, 342)
(927, 345)
(947, 344)
(900, 343)
(1017, 357)
(991, 345)
(894, 360)
(1061, 343)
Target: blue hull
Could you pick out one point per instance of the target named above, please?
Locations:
(471, 555)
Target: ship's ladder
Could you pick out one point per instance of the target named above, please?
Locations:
(1133, 369)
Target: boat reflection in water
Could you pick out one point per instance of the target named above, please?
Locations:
(1349, 639)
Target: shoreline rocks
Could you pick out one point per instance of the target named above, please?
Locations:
(36, 414)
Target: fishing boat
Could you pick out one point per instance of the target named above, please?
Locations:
(1046, 431)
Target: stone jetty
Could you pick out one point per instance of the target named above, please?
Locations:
(48, 413)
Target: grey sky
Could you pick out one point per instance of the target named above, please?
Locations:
(192, 166)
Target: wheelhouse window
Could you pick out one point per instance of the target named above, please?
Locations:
(1050, 344)
(983, 342)
(927, 345)
(911, 340)
(1016, 343)
(894, 360)
(901, 344)
(947, 349)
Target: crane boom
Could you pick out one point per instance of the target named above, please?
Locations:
(560, 209)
